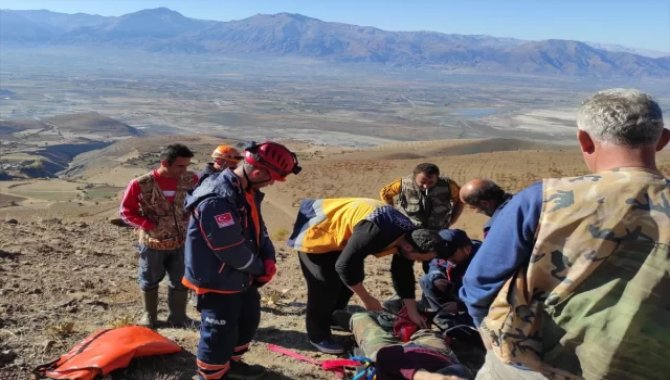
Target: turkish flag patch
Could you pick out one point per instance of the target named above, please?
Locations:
(224, 220)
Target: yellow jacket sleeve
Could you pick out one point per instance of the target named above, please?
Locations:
(391, 190)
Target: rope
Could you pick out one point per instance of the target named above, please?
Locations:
(336, 366)
(368, 372)
(338, 370)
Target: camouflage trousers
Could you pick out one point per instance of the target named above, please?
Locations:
(371, 337)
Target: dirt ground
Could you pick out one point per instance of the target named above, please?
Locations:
(63, 280)
(66, 272)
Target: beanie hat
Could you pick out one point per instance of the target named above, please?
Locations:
(425, 240)
(452, 240)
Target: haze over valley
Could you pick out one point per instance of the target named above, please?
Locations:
(138, 74)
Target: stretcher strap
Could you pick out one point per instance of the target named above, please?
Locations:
(335, 366)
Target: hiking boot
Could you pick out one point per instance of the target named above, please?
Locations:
(329, 346)
(150, 316)
(177, 300)
(241, 370)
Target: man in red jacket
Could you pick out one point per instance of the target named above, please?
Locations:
(153, 204)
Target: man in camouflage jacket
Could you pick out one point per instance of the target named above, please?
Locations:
(154, 205)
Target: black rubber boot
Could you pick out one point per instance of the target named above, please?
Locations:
(177, 300)
(150, 315)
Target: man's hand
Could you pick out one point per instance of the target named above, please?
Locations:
(270, 270)
(370, 302)
(413, 313)
(417, 318)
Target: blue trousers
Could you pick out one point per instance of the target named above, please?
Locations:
(154, 264)
(229, 323)
(435, 297)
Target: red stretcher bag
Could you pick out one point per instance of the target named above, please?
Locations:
(106, 350)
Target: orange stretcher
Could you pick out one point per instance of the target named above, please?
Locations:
(105, 351)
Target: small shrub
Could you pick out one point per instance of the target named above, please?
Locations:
(62, 330)
(123, 320)
(280, 234)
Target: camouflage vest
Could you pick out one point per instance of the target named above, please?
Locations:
(593, 300)
(169, 217)
(431, 211)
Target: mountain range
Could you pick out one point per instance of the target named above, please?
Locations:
(162, 30)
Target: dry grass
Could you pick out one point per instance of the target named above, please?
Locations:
(280, 234)
(62, 329)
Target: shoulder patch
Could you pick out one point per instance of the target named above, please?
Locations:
(224, 220)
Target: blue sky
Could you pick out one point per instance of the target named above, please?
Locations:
(641, 24)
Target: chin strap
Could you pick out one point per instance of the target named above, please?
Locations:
(246, 177)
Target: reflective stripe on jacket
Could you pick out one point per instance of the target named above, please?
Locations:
(226, 243)
(325, 225)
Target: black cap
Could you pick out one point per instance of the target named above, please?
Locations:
(425, 240)
(452, 240)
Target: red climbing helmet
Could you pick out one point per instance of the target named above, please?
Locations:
(276, 158)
